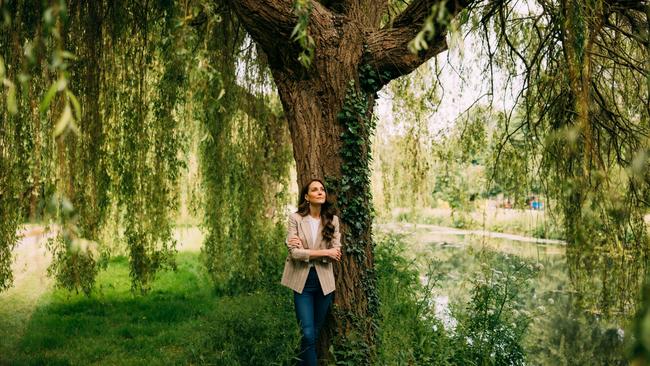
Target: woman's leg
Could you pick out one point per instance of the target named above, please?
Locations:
(321, 307)
(304, 303)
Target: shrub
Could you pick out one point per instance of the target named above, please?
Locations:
(409, 332)
(491, 327)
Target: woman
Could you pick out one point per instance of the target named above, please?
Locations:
(314, 241)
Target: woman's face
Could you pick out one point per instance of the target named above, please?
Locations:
(316, 193)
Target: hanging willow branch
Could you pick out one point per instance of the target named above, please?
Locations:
(585, 115)
(245, 157)
(114, 147)
(102, 150)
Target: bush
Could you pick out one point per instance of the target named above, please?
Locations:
(249, 330)
(489, 329)
(409, 332)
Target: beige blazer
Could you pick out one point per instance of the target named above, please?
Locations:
(296, 266)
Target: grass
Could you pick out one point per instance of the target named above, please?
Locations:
(180, 321)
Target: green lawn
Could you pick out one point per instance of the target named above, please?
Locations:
(180, 321)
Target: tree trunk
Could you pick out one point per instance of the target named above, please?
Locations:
(311, 105)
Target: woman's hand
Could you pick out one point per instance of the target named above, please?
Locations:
(334, 253)
(295, 242)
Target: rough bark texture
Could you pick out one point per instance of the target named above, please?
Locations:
(347, 35)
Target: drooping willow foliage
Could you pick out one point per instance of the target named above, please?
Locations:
(101, 103)
(405, 180)
(585, 118)
(579, 129)
(104, 131)
(245, 155)
(100, 100)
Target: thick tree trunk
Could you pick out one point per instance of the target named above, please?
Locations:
(311, 104)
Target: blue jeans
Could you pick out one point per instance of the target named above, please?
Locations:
(311, 309)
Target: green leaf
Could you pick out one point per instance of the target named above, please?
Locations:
(64, 121)
(295, 31)
(58, 86)
(73, 127)
(2, 68)
(68, 55)
(75, 104)
(61, 84)
(45, 103)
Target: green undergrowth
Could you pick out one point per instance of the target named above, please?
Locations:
(181, 321)
(487, 329)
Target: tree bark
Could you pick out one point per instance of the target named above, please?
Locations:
(347, 38)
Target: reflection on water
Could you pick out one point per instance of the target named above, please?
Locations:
(580, 302)
(443, 312)
(607, 281)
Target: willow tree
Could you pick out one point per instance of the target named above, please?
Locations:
(82, 127)
(583, 127)
(327, 82)
(96, 110)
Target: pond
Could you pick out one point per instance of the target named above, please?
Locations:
(566, 326)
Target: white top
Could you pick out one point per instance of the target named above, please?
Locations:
(313, 223)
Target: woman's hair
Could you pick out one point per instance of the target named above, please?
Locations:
(327, 211)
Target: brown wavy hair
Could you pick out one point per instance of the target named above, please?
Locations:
(327, 211)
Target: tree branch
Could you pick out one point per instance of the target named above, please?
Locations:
(266, 20)
(271, 22)
(367, 13)
(388, 51)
